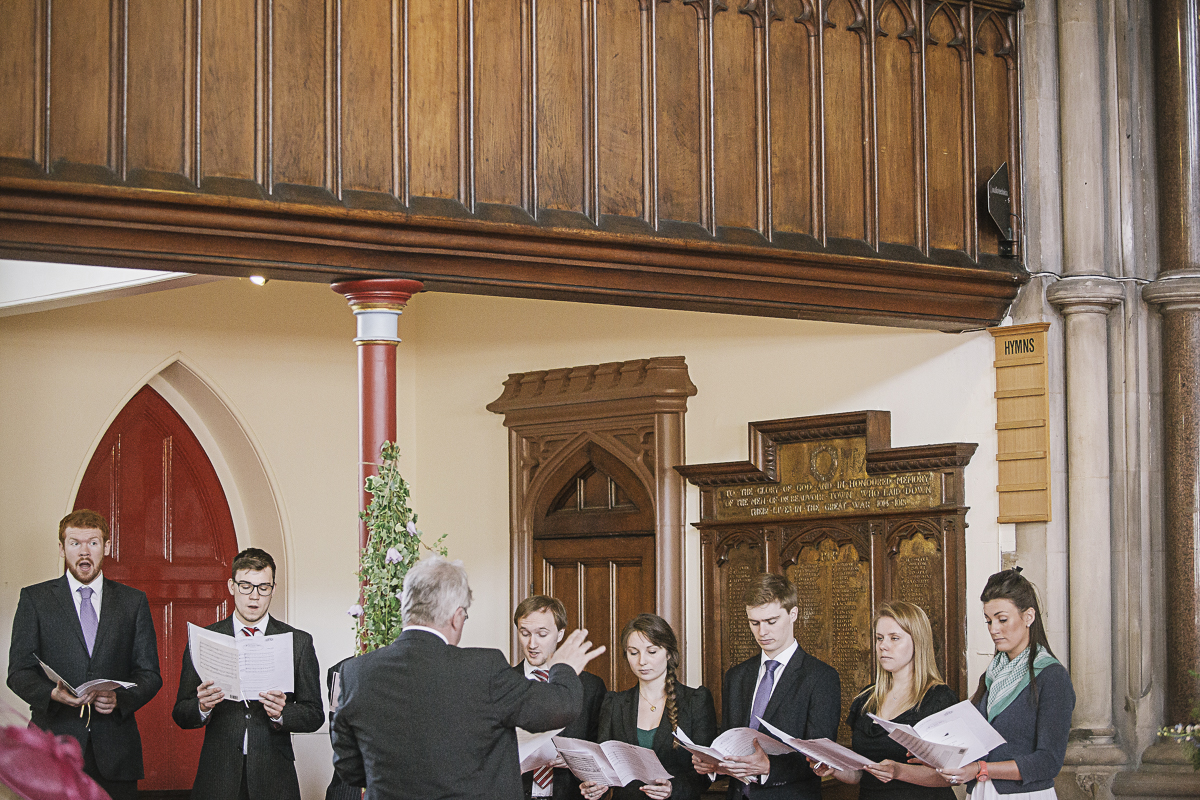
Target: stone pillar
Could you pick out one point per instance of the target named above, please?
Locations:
(377, 305)
(1085, 303)
(1177, 293)
(1178, 299)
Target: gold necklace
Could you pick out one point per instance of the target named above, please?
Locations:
(653, 707)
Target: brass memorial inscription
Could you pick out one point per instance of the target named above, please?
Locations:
(805, 505)
(833, 585)
(828, 477)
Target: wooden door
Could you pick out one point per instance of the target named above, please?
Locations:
(604, 581)
(593, 549)
(173, 538)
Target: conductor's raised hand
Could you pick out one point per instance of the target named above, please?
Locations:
(575, 651)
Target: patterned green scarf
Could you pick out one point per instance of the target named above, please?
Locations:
(1008, 678)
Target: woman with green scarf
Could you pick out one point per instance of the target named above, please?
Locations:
(1025, 694)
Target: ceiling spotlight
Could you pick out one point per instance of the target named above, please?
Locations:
(258, 280)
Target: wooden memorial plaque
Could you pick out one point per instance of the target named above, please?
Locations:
(852, 522)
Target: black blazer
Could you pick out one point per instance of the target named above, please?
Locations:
(338, 789)
(270, 763)
(47, 625)
(585, 726)
(806, 703)
(421, 719)
(698, 719)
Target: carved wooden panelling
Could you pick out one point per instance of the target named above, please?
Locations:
(852, 523)
(833, 583)
(827, 130)
(591, 452)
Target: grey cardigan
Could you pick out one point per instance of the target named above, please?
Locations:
(1036, 737)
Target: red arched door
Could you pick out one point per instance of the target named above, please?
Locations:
(173, 538)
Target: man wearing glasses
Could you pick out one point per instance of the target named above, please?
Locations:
(248, 746)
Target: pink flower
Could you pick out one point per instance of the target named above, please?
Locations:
(355, 611)
(412, 528)
(41, 766)
(393, 556)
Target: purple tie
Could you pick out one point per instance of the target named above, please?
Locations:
(763, 694)
(761, 698)
(87, 617)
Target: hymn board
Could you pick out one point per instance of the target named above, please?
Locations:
(852, 522)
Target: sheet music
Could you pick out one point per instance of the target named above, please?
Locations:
(733, 742)
(948, 739)
(825, 751)
(97, 685)
(242, 667)
(633, 763)
(536, 749)
(265, 664)
(611, 763)
(587, 761)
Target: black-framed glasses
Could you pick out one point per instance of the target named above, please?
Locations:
(246, 587)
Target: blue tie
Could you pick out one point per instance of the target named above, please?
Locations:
(87, 617)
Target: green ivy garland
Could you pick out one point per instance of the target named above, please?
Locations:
(393, 548)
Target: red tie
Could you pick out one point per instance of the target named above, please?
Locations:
(543, 776)
(249, 631)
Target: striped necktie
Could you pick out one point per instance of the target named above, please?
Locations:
(543, 776)
(249, 631)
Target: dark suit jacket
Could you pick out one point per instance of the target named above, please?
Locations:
(47, 625)
(806, 703)
(585, 726)
(338, 789)
(698, 719)
(422, 719)
(270, 763)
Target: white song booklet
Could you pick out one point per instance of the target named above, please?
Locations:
(824, 751)
(536, 749)
(98, 685)
(948, 739)
(611, 763)
(733, 742)
(243, 666)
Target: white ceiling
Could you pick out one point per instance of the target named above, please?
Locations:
(31, 286)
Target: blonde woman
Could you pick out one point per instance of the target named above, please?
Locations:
(907, 688)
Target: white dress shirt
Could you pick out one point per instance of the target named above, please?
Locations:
(260, 630)
(97, 587)
(538, 791)
(783, 658)
(427, 629)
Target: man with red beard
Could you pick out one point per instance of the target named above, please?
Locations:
(85, 627)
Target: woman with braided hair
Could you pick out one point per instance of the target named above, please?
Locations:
(647, 714)
(1026, 695)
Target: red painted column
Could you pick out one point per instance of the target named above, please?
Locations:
(377, 305)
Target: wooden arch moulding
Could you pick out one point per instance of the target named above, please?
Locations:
(853, 522)
(599, 442)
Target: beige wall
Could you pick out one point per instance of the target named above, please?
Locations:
(937, 386)
(281, 359)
